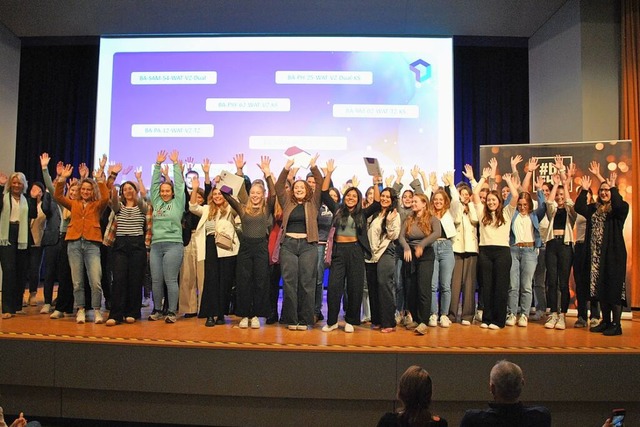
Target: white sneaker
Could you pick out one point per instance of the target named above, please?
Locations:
(511, 319)
(57, 315)
(594, 322)
(433, 320)
(551, 321)
(80, 317)
(465, 323)
(46, 309)
(244, 323)
(255, 323)
(444, 321)
(97, 317)
(329, 328)
(523, 321)
(348, 328)
(484, 326)
(561, 322)
(494, 326)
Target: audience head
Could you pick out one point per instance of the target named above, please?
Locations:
(506, 382)
(352, 199)
(128, 191)
(311, 180)
(88, 190)
(388, 199)
(415, 391)
(166, 191)
(465, 192)
(525, 203)
(440, 202)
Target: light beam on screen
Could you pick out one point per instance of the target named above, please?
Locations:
(343, 97)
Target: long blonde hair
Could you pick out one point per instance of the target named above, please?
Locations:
(214, 209)
(249, 209)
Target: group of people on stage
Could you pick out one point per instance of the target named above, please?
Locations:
(412, 258)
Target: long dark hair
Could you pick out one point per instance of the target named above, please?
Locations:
(415, 392)
(343, 213)
(394, 205)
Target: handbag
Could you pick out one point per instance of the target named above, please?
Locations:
(225, 231)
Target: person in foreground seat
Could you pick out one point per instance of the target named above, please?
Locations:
(505, 383)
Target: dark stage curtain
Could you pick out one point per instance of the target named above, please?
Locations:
(57, 101)
(56, 106)
(491, 99)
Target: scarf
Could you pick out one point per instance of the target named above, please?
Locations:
(23, 231)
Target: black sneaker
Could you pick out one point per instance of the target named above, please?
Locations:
(612, 330)
(603, 326)
(210, 322)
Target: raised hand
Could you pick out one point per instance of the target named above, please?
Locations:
(44, 160)
(103, 161)
(195, 182)
(265, 165)
(533, 164)
(539, 182)
(558, 163)
(3, 179)
(331, 165)
(138, 173)
(289, 164)
(433, 180)
(594, 168)
(206, 166)
(585, 182)
(613, 176)
(468, 172)
(400, 173)
(493, 164)
(83, 170)
(59, 168)
(174, 156)
(115, 168)
(355, 182)
(388, 181)
(571, 171)
(415, 171)
(238, 160)
(314, 159)
(515, 161)
(161, 157)
(66, 171)
(447, 178)
(188, 162)
(486, 172)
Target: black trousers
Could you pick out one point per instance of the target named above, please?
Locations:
(558, 258)
(14, 264)
(252, 278)
(495, 265)
(219, 280)
(418, 274)
(380, 280)
(56, 267)
(129, 257)
(347, 260)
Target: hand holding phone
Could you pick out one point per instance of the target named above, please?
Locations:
(617, 417)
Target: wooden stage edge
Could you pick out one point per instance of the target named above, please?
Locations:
(153, 372)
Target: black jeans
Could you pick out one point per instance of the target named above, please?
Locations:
(417, 278)
(495, 264)
(347, 261)
(559, 258)
(129, 257)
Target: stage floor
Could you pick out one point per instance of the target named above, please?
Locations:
(192, 333)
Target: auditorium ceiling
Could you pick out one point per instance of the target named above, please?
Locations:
(65, 18)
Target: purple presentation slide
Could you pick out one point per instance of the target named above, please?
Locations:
(342, 98)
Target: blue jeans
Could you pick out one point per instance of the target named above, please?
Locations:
(523, 266)
(442, 273)
(165, 260)
(85, 254)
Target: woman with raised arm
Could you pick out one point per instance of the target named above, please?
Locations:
(56, 261)
(165, 257)
(525, 239)
(298, 251)
(418, 232)
(444, 208)
(606, 251)
(559, 243)
(350, 249)
(84, 237)
(217, 223)
(494, 258)
(252, 272)
(383, 230)
(128, 253)
(465, 253)
(14, 238)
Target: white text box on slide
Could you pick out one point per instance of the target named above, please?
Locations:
(172, 130)
(309, 143)
(249, 104)
(174, 78)
(381, 111)
(324, 77)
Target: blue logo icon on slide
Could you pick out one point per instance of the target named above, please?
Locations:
(422, 70)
